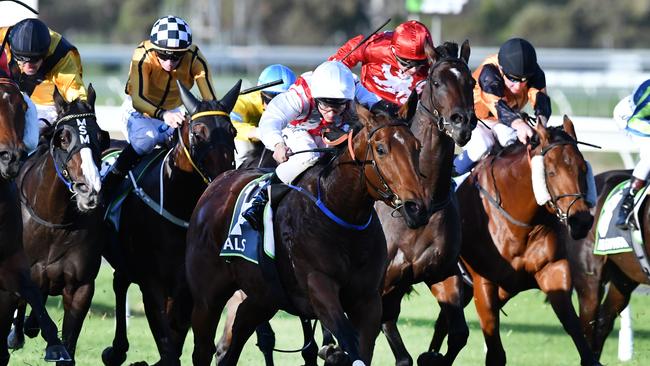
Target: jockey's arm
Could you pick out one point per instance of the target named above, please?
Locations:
(540, 102)
(363, 95)
(354, 58)
(245, 116)
(202, 76)
(139, 90)
(66, 75)
(283, 109)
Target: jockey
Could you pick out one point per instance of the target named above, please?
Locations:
(41, 60)
(293, 122)
(505, 84)
(392, 63)
(632, 114)
(152, 106)
(247, 112)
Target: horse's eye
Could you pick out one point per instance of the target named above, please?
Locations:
(380, 149)
(436, 83)
(551, 173)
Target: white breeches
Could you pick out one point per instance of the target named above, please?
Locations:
(298, 139)
(30, 135)
(241, 148)
(483, 139)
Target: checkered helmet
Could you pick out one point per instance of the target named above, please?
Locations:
(171, 33)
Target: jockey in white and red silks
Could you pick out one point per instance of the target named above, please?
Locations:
(392, 63)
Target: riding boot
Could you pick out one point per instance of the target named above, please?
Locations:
(127, 160)
(255, 213)
(626, 206)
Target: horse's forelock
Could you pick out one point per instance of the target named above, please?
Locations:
(448, 50)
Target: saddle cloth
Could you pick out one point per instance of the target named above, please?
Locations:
(610, 239)
(242, 240)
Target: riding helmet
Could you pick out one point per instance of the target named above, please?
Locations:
(332, 80)
(171, 33)
(29, 37)
(517, 57)
(409, 40)
(276, 72)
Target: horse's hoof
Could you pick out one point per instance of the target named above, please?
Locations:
(31, 332)
(334, 356)
(57, 353)
(323, 351)
(139, 363)
(15, 340)
(431, 359)
(112, 358)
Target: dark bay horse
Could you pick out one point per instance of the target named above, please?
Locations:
(591, 273)
(59, 190)
(14, 265)
(150, 247)
(444, 114)
(327, 271)
(516, 206)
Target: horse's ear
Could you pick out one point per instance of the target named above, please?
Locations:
(189, 100)
(542, 119)
(465, 51)
(407, 110)
(568, 127)
(430, 51)
(229, 100)
(365, 116)
(542, 132)
(59, 101)
(91, 95)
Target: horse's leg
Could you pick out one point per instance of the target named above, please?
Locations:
(365, 314)
(115, 354)
(391, 309)
(249, 315)
(487, 304)
(324, 297)
(555, 280)
(618, 297)
(154, 299)
(16, 338)
(7, 305)
(209, 301)
(309, 349)
(590, 290)
(442, 327)
(450, 296)
(76, 303)
(266, 341)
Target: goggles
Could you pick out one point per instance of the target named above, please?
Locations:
(30, 59)
(516, 79)
(331, 105)
(169, 55)
(409, 64)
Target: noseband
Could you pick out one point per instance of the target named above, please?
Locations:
(193, 151)
(80, 140)
(563, 216)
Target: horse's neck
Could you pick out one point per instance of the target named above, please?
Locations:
(436, 156)
(181, 183)
(513, 186)
(344, 190)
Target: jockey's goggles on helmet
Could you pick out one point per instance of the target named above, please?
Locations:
(331, 104)
(409, 64)
(268, 96)
(516, 79)
(24, 58)
(169, 55)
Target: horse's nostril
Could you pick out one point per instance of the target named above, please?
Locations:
(5, 156)
(81, 188)
(412, 207)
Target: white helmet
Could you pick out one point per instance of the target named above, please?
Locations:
(332, 80)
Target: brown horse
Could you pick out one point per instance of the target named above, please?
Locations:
(59, 190)
(150, 248)
(14, 267)
(327, 270)
(591, 273)
(514, 242)
(444, 114)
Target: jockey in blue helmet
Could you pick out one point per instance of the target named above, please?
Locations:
(249, 107)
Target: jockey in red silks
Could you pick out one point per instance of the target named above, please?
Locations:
(392, 63)
(293, 121)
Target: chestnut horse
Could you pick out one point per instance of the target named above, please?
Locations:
(59, 190)
(514, 204)
(328, 270)
(150, 247)
(14, 265)
(591, 273)
(444, 114)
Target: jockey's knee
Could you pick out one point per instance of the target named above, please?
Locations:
(296, 164)
(479, 145)
(505, 135)
(142, 143)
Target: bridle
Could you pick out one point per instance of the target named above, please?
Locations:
(553, 202)
(194, 150)
(81, 139)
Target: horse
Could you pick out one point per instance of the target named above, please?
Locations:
(443, 115)
(327, 270)
(14, 267)
(514, 241)
(59, 188)
(151, 246)
(621, 271)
